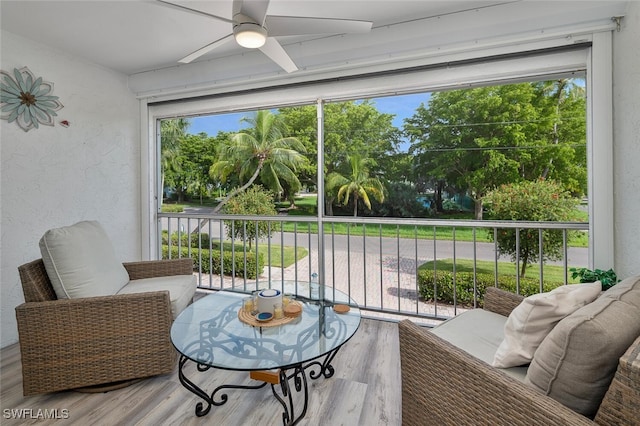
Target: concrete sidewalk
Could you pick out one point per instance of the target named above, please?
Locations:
(387, 285)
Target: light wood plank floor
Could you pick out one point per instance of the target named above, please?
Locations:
(365, 390)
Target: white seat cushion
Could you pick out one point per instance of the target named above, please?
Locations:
(531, 321)
(181, 289)
(479, 333)
(81, 261)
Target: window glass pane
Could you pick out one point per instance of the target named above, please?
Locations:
(440, 154)
(207, 160)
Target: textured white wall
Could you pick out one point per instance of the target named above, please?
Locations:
(626, 143)
(56, 176)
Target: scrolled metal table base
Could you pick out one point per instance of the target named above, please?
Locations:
(284, 396)
(300, 384)
(201, 409)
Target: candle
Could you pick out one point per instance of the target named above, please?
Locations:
(267, 299)
(248, 304)
(278, 313)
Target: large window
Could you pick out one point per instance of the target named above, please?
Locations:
(426, 154)
(419, 143)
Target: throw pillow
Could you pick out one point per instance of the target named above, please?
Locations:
(531, 321)
(81, 261)
(576, 362)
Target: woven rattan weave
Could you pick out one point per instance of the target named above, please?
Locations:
(444, 385)
(249, 319)
(75, 343)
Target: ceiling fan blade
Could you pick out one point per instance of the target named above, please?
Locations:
(188, 9)
(208, 48)
(277, 54)
(293, 25)
(254, 9)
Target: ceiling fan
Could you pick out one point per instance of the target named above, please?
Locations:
(252, 28)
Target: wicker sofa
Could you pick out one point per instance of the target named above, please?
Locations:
(110, 334)
(443, 384)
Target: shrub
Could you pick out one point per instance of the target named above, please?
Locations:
(541, 200)
(186, 239)
(465, 289)
(172, 208)
(401, 201)
(231, 264)
(254, 201)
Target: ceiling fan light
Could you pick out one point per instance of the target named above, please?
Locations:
(250, 35)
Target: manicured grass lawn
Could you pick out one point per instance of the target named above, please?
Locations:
(307, 206)
(279, 255)
(304, 206)
(172, 208)
(551, 273)
(576, 238)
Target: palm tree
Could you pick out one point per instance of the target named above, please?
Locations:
(262, 151)
(358, 184)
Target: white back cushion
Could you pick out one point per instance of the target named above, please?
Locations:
(531, 321)
(81, 261)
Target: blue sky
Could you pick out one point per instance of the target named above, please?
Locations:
(402, 106)
(212, 124)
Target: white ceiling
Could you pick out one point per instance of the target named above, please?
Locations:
(137, 37)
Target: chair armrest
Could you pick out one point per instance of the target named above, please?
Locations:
(621, 403)
(159, 268)
(71, 343)
(500, 301)
(442, 384)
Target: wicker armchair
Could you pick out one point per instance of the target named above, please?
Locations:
(107, 340)
(444, 385)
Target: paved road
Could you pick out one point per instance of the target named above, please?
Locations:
(402, 247)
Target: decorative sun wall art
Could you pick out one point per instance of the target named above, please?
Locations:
(27, 100)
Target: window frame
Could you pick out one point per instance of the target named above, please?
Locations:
(593, 57)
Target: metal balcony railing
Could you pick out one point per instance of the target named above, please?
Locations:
(381, 263)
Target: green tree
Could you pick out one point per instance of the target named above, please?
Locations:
(477, 139)
(351, 127)
(565, 157)
(263, 151)
(357, 127)
(540, 200)
(302, 123)
(357, 185)
(198, 153)
(171, 132)
(189, 166)
(253, 201)
(454, 136)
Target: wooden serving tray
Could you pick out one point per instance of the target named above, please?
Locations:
(247, 318)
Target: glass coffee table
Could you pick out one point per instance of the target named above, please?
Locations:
(210, 334)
